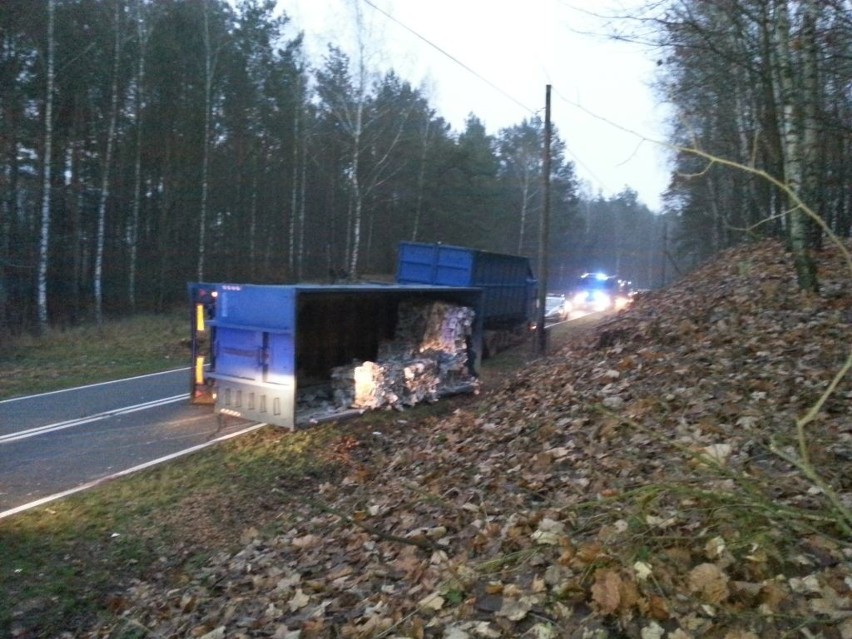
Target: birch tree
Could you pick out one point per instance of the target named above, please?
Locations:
(295, 173)
(106, 167)
(344, 91)
(210, 56)
(425, 138)
(138, 102)
(795, 141)
(521, 162)
(19, 82)
(44, 239)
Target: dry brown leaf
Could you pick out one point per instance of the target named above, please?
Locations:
(741, 634)
(433, 602)
(653, 631)
(772, 596)
(629, 595)
(709, 582)
(541, 631)
(549, 532)
(306, 541)
(658, 608)
(298, 600)
(515, 609)
(248, 535)
(283, 632)
(589, 553)
(371, 627)
(606, 591)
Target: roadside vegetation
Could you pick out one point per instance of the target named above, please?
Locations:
(64, 358)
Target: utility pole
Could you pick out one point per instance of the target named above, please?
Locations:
(544, 233)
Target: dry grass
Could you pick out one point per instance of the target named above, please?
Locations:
(88, 354)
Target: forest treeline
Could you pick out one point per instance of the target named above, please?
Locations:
(144, 144)
(767, 85)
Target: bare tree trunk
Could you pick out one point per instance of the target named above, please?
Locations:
(525, 197)
(209, 64)
(792, 148)
(44, 240)
(810, 116)
(348, 251)
(348, 106)
(357, 211)
(357, 134)
(294, 186)
(294, 200)
(104, 198)
(368, 249)
(300, 261)
(253, 223)
(75, 217)
(421, 180)
(8, 211)
(133, 227)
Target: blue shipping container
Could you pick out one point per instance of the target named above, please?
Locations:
(507, 281)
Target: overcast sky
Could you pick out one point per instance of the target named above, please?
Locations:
(505, 53)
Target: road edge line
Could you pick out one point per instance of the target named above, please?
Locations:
(127, 471)
(93, 385)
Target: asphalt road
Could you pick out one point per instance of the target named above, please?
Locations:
(58, 442)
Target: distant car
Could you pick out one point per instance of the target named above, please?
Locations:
(556, 308)
(595, 292)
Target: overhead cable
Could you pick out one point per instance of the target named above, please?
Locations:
(473, 72)
(504, 93)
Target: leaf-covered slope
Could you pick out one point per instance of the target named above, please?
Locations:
(646, 481)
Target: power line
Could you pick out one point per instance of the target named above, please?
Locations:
(445, 53)
(607, 121)
(506, 94)
(642, 139)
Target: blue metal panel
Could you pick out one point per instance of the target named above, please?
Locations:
(281, 363)
(255, 352)
(435, 264)
(256, 332)
(270, 307)
(454, 266)
(416, 264)
(506, 280)
(239, 353)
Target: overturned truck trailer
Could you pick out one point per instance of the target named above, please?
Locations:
(292, 355)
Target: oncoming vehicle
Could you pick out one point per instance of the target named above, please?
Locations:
(596, 292)
(555, 308)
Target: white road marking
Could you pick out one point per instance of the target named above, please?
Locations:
(115, 381)
(52, 428)
(128, 471)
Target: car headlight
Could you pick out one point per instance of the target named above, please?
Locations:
(579, 299)
(621, 302)
(601, 300)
